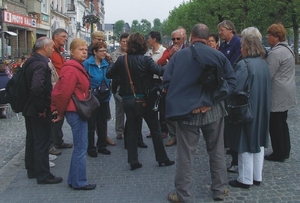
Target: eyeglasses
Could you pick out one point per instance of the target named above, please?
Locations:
(178, 38)
(63, 36)
(101, 50)
(100, 39)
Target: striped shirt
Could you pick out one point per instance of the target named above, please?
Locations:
(215, 113)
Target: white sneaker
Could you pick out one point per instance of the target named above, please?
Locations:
(51, 164)
(52, 157)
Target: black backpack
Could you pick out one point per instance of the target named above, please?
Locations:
(17, 90)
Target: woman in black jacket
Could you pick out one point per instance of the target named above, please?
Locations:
(141, 69)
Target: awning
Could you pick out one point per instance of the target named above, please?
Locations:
(10, 33)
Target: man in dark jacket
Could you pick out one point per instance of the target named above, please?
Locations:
(195, 107)
(37, 113)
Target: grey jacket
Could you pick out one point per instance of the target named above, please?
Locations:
(283, 86)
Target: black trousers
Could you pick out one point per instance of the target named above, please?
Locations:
(162, 104)
(140, 136)
(38, 132)
(57, 133)
(98, 120)
(280, 135)
(133, 130)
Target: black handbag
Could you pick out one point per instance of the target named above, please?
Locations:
(239, 108)
(140, 102)
(211, 77)
(86, 107)
(103, 91)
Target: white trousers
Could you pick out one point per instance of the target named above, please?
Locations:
(250, 166)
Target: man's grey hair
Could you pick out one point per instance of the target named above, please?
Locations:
(58, 31)
(41, 42)
(228, 25)
(201, 31)
(177, 31)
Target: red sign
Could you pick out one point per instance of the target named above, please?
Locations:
(17, 19)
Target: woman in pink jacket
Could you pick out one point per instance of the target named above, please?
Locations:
(74, 79)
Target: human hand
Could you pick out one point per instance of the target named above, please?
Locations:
(174, 49)
(202, 109)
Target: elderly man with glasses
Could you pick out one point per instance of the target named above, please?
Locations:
(178, 40)
(59, 37)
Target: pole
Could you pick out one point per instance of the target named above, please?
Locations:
(2, 34)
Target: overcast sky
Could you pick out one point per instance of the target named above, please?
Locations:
(138, 9)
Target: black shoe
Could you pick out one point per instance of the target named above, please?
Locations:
(30, 175)
(271, 157)
(93, 154)
(142, 145)
(166, 163)
(104, 151)
(257, 183)
(87, 187)
(51, 180)
(135, 166)
(228, 152)
(235, 183)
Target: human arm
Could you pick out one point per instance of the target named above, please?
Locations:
(39, 90)
(273, 61)
(164, 58)
(63, 90)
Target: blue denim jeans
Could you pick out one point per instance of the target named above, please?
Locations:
(77, 172)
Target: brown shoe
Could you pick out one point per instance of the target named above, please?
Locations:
(164, 135)
(110, 142)
(171, 142)
(54, 151)
(119, 136)
(173, 197)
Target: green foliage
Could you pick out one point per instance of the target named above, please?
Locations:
(119, 28)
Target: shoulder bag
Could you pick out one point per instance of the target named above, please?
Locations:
(211, 77)
(140, 102)
(86, 107)
(239, 108)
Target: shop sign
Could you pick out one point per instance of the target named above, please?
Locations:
(18, 19)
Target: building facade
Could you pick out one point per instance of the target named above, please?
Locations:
(23, 21)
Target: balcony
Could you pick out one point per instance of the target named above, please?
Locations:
(70, 7)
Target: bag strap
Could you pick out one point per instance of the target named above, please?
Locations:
(284, 45)
(129, 76)
(248, 83)
(195, 55)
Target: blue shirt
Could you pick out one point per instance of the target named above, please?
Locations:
(232, 49)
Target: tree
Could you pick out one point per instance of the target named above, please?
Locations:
(135, 26)
(145, 27)
(157, 25)
(119, 28)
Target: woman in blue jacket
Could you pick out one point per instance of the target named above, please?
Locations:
(97, 66)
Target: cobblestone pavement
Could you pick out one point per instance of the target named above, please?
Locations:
(116, 183)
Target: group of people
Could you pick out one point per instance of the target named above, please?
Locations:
(240, 57)
(177, 103)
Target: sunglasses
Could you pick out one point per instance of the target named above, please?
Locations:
(173, 39)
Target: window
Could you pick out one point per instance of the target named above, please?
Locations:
(44, 6)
